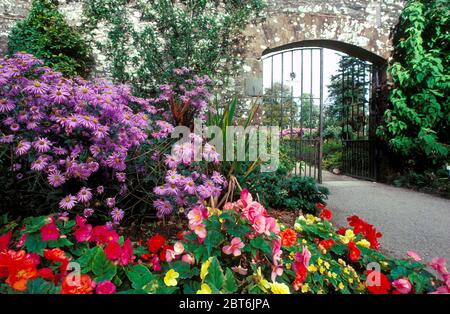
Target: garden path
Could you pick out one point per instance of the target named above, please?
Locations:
(409, 220)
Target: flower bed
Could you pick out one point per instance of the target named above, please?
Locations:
(239, 249)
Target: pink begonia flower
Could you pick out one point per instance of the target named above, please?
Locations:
(240, 270)
(155, 263)
(83, 233)
(402, 285)
(303, 257)
(178, 248)
(105, 287)
(170, 255)
(195, 216)
(228, 206)
(200, 231)
(272, 226)
(259, 224)
(253, 210)
(438, 264)
(414, 256)
(277, 269)
(234, 248)
(441, 290)
(245, 199)
(188, 258)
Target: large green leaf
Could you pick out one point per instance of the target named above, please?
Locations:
(102, 267)
(34, 243)
(139, 276)
(39, 286)
(212, 240)
(215, 277)
(229, 285)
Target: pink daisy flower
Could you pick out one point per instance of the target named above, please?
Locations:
(84, 195)
(39, 164)
(56, 179)
(22, 148)
(68, 202)
(6, 105)
(42, 145)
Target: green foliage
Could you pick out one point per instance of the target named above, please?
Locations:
(46, 34)
(437, 182)
(332, 154)
(348, 108)
(280, 190)
(418, 124)
(203, 35)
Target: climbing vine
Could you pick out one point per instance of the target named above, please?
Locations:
(418, 124)
(146, 40)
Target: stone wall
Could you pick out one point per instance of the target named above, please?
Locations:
(363, 23)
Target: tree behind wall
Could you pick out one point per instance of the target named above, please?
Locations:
(146, 40)
(46, 34)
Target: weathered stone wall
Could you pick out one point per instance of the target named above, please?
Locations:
(363, 23)
(10, 12)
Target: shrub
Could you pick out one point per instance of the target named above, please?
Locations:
(46, 34)
(238, 250)
(418, 124)
(59, 135)
(429, 181)
(203, 35)
(94, 147)
(280, 190)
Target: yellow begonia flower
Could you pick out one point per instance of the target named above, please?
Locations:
(320, 291)
(297, 227)
(170, 279)
(341, 286)
(204, 268)
(327, 265)
(322, 270)
(305, 288)
(279, 288)
(214, 211)
(349, 236)
(312, 268)
(350, 280)
(310, 219)
(319, 261)
(288, 266)
(204, 289)
(363, 243)
(262, 283)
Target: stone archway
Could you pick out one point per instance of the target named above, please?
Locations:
(365, 24)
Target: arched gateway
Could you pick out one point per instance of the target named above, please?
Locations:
(285, 56)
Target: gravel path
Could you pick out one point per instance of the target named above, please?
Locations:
(409, 220)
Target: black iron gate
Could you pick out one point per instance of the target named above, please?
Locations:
(357, 101)
(293, 100)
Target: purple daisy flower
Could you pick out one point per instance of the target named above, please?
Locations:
(42, 145)
(68, 202)
(84, 195)
(56, 179)
(117, 215)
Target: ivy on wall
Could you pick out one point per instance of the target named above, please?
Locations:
(418, 124)
(46, 34)
(146, 40)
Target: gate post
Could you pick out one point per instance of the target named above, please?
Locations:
(319, 175)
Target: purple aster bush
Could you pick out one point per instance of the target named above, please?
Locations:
(186, 98)
(65, 137)
(94, 149)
